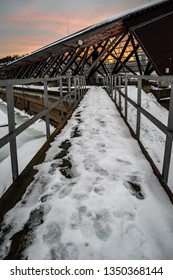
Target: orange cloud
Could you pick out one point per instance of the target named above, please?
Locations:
(31, 29)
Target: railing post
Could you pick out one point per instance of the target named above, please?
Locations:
(168, 143)
(112, 86)
(11, 127)
(138, 121)
(108, 86)
(119, 87)
(104, 83)
(82, 85)
(115, 86)
(46, 105)
(69, 89)
(126, 94)
(61, 97)
(78, 87)
(75, 86)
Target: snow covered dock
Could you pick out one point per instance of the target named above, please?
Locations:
(94, 197)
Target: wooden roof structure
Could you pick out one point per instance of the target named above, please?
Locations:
(138, 41)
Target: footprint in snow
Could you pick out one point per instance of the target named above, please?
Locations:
(124, 161)
(101, 222)
(69, 251)
(56, 187)
(66, 191)
(102, 230)
(103, 151)
(101, 145)
(101, 171)
(81, 220)
(52, 233)
(123, 214)
(91, 222)
(78, 114)
(77, 217)
(133, 185)
(76, 132)
(80, 195)
(53, 168)
(99, 190)
(45, 197)
(65, 146)
(100, 122)
(40, 185)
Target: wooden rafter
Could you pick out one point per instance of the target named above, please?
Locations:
(126, 59)
(106, 46)
(117, 41)
(126, 67)
(136, 55)
(121, 55)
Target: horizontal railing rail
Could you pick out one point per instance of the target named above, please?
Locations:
(114, 85)
(76, 88)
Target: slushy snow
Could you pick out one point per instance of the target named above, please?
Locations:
(95, 196)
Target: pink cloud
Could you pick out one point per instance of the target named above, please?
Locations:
(32, 28)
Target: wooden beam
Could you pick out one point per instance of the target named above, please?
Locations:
(121, 55)
(105, 48)
(136, 55)
(127, 59)
(118, 40)
(71, 60)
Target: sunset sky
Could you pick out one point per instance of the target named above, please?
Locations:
(28, 25)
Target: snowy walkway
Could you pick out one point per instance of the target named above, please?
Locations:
(94, 197)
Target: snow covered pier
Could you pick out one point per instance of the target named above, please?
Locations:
(94, 197)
